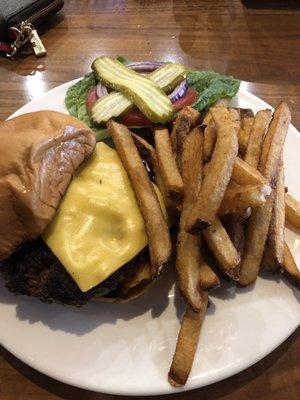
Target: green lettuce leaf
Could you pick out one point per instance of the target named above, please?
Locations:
(211, 87)
(75, 103)
(71, 99)
(76, 95)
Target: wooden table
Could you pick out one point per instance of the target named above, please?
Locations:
(259, 46)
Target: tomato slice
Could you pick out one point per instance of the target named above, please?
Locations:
(91, 98)
(189, 98)
(135, 118)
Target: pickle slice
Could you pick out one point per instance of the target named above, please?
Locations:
(111, 105)
(168, 76)
(147, 93)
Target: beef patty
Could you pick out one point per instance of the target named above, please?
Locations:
(34, 270)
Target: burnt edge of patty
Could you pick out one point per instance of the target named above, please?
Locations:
(34, 270)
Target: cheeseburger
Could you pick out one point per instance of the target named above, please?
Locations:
(71, 229)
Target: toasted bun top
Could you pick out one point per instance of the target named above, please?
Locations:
(39, 153)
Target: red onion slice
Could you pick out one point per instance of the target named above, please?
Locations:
(179, 91)
(101, 90)
(145, 66)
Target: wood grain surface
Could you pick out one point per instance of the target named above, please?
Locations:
(259, 46)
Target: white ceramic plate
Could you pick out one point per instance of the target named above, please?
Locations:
(127, 348)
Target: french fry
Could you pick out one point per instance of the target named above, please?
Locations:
(215, 181)
(259, 221)
(257, 228)
(187, 267)
(292, 211)
(208, 278)
(267, 263)
(167, 165)
(250, 137)
(277, 131)
(266, 147)
(187, 342)
(247, 123)
(275, 240)
(210, 137)
(289, 267)
(258, 130)
(244, 134)
(146, 151)
(236, 118)
(156, 226)
(238, 199)
(192, 171)
(274, 249)
(192, 271)
(210, 131)
(219, 243)
(236, 233)
(235, 114)
(187, 119)
(244, 174)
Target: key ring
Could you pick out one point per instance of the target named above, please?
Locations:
(20, 38)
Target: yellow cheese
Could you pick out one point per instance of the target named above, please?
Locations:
(98, 227)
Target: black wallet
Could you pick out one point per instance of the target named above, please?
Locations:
(18, 22)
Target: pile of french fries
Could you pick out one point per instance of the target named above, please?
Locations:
(222, 179)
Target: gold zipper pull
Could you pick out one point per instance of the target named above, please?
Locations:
(35, 40)
(37, 44)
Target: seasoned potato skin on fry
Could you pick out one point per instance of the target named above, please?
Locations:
(259, 221)
(187, 342)
(217, 175)
(156, 225)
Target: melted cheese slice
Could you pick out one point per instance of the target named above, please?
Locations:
(98, 227)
